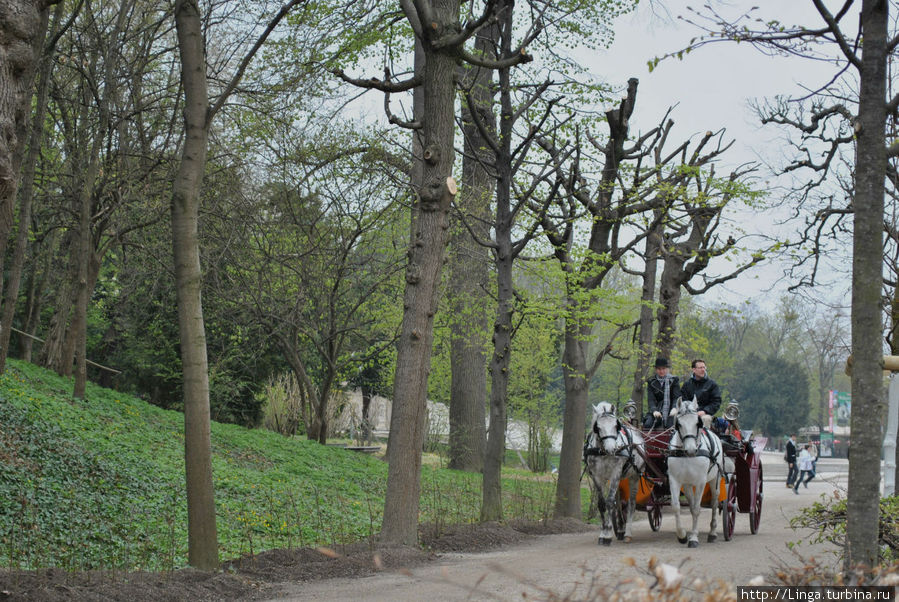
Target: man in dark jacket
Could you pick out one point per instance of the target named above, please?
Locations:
(703, 388)
(662, 392)
(790, 457)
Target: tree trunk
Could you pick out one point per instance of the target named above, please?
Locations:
(430, 224)
(32, 312)
(21, 35)
(366, 415)
(644, 354)
(202, 534)
(868, 408)
(27, 193)
(310, 411)
(323, 406)
(491, 505)
(605, 251)
(469, 275)
(492, 501)
(574, 370)
(669, 302)
(85, 284)
(54, 353)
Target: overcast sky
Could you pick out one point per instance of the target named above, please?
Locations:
(713, 87)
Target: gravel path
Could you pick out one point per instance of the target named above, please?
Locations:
(561, 563)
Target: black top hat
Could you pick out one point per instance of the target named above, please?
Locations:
(661, 362)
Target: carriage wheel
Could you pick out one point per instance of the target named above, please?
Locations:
(619, 516)
(729, 509)
(654, 512)
(755, 513)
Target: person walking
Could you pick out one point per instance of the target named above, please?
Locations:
(805, 466)
(813, 452)
(790, 458)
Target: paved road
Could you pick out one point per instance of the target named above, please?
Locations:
(563, 563)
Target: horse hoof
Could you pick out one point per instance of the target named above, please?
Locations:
(693, 544)
(627, 540)
(712, 538)
(682, 540)
(605, 541)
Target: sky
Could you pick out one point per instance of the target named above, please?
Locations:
(713, 87)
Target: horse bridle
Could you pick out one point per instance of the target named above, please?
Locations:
(684, 437)
(601, 438)
(699, 451)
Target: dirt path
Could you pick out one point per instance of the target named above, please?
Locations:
(560, 563)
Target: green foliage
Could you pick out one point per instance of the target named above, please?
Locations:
(773, 394)
(536, 349)
(827, 519)
(99, 483)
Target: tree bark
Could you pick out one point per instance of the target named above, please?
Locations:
(426, 251)
(202, 534)
(33, 310)
(54, 353)
(27, 193)
(644, 353)
(868, 408)
(669, 304)
(492, 502)
(574, 373)
(21, 35)
(469, 275)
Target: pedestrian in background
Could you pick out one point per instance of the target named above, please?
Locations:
(805, 467)
(790, 458)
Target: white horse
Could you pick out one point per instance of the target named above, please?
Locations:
(610, 455)
(694, 459)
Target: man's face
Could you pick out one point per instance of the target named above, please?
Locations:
(660, 372)
(699, 370)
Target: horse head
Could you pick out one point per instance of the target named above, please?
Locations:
(686, 424)
(606, 425)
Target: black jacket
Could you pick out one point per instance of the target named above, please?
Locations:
(706, 391)
(655, 398)
(791, 452)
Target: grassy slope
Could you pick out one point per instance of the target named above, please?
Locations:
(99, 483)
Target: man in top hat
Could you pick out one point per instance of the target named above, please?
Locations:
(662, 392)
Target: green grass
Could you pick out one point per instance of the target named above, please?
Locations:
(98, 483)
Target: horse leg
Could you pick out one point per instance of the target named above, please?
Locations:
(608, 530)
(605, 511)
(694, 498)
(674, 487)
(715, 487)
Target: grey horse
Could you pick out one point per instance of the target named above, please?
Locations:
(610, 455)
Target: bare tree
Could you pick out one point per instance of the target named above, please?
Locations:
(627, 192)
(868, 123)
(688, 247)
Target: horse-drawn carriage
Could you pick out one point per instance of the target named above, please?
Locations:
(634, 469)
